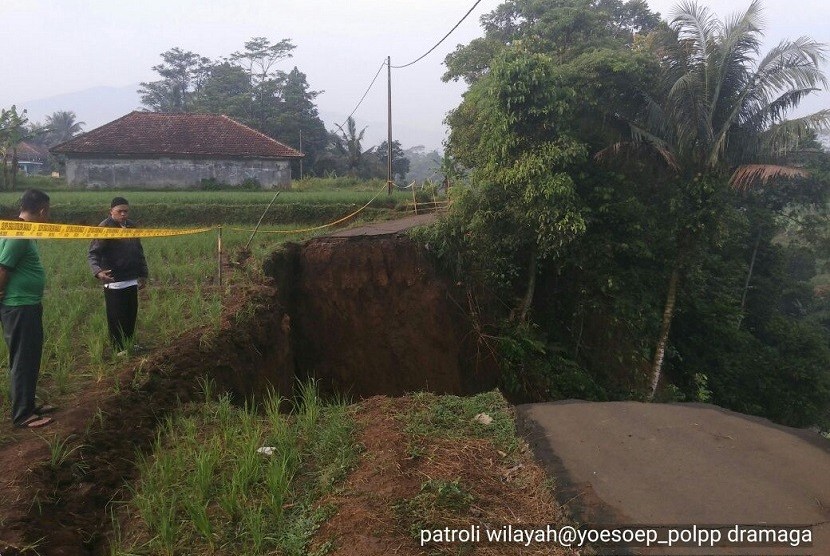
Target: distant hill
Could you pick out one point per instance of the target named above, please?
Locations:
(95, 106)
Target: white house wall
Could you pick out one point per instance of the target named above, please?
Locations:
(174, 173)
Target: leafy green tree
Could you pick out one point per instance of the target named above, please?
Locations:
(400, 163)
(259, 58)
(525, 132)
(298, 115)
(13, 130)
(718, 116)
(554, 105)
(512, 130)
(562, 29)
(226, 90)
(182, 75)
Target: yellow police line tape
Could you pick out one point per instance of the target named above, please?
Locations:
(355, 213)
(41, 230)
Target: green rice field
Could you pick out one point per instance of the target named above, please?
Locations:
(183, 289)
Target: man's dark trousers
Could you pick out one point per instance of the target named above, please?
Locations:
(122, 311)
(23, 330)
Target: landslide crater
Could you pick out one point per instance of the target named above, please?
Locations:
(363, 315)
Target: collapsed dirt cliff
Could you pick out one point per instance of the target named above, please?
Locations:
(372, 315)
(363, 315)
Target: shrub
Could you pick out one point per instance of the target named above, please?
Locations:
(533, 370)
(250, 184)
(211, 184)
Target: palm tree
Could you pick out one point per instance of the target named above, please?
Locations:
(720, 116)
(350, 142)
(62, 126)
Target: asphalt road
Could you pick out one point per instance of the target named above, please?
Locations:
(683, 465)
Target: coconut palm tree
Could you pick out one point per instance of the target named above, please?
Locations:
(350, 140)
(62, 126)
(719, 115)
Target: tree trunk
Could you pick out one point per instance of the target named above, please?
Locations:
(14, 168)
(748, 278)
(5, 171)
(524, 308)
(668, 314)
(581, 330)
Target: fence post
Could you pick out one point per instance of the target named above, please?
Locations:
(219, 251)
(414, 200)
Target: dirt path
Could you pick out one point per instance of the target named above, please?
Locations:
(686, 464)
(389, 226)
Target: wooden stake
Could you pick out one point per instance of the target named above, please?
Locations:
(414, 200)
(219, 251)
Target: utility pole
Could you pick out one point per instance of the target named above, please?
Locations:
(389, 119)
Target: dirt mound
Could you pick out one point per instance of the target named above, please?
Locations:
(368, 519)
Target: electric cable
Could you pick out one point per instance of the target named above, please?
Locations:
(442, 40)
(364, 94)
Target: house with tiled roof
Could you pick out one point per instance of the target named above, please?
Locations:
(158, 150)
(32, 158)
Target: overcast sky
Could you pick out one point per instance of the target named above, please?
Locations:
(54, 47)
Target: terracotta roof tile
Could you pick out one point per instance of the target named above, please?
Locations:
(31, 151)
(176, 135)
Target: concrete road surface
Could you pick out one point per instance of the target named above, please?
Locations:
(685, 465)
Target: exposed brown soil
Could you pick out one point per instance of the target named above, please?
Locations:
(503, 490)
(366, 316)
(373, 316)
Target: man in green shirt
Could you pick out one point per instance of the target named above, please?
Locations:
(22, 280)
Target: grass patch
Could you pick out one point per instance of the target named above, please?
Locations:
(429, 509)
(454, 417)
(206, 487)
(448, 500)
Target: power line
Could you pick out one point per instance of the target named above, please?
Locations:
(366, 93)
(443, 39)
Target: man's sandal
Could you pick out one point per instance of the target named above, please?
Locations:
(34, 421)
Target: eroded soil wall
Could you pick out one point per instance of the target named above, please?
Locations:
(372, 315)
